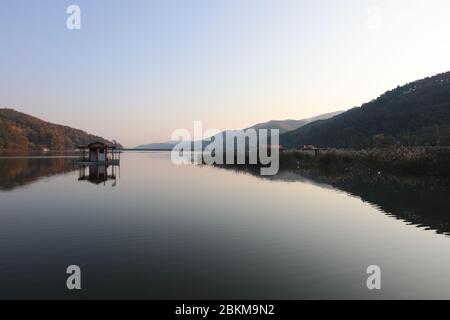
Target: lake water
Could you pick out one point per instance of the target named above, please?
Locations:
(161, 231)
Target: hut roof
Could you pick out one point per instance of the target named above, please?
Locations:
(98, 144)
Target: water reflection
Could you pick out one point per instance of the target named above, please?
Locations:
(197, 232)
(98, 174)
(420, 201)
(18, 172)
(423, 202)
(21, 171)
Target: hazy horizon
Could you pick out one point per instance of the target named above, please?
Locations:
(162, 65)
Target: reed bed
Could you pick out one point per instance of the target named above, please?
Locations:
(433, 161)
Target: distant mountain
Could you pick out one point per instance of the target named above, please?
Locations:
(161, 145)
(20, 131)
(324, 116)
(417, 113)
(282, 125)
(289, 125)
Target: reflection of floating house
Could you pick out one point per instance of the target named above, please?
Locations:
(98, 174)
(99, 153)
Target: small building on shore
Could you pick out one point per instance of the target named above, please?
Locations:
(312, 148)
(309, 147)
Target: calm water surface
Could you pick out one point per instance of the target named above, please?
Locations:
(162, 231)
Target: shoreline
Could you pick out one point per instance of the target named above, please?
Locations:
(412, 161)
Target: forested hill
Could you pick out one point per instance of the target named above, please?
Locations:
(20, 131)
(414, 114)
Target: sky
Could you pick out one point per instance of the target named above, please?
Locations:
(139, 69)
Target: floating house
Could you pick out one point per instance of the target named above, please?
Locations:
(99, 153)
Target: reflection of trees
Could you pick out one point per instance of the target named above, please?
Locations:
(18, 172)
(420, 201)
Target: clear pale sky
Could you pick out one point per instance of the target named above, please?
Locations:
(137, 70)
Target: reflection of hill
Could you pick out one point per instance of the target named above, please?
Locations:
(17, 172)
(420, 201)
